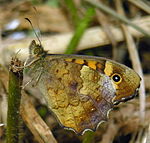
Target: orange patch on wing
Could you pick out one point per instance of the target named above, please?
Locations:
(79, 61)
(100, 66)
(108, 68)
(92, 64)
(69, 60)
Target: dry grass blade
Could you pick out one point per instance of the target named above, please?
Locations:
(124, 121)
(57, 44)
(147, 81)
(34, 122)
(3, 110)
(140, 137)
(3, 103)
(3, 94)
(110, 134)
(135, 62)
(103, 20)
(111, 12)
(148, 134)
(140, 4)
(137, 67)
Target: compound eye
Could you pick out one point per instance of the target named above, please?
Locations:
(38, 51)
(116, 78)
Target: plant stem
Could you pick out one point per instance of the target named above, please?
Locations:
(14, 97)
(83, 24)
(73, 11)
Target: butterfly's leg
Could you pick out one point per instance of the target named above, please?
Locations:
(26, 84)
(38, 77)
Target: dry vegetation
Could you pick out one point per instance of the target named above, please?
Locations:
(107, 35)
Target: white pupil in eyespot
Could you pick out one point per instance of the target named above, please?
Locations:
(116, 78)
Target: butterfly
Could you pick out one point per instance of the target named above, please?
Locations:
(80, 90)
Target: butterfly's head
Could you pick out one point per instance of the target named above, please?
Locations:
(36, 50)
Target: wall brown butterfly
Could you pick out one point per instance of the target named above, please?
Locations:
(80, 90)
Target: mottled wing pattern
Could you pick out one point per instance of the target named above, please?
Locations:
(78, 95)
(80, 90)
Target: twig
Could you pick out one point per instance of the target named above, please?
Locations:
(14, 98)
(108, 10)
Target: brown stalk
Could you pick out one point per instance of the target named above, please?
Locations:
(37, 126)
(135, 61)
(106, 27)
(140, 4)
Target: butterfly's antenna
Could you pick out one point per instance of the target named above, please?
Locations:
(37, 20)
(34, 30)
(17, 53)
